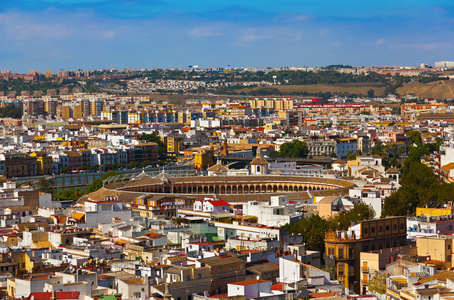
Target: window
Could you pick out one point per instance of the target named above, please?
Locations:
(340, 251)
(341, 269)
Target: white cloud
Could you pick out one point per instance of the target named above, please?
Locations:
(380, 42)
(205, 31)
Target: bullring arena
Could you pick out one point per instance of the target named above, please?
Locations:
(229, 188)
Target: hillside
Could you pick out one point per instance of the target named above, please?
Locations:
(437, 89)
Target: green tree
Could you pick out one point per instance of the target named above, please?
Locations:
(10, 111)
(314, 227)
(446, 192)
(415, 137)
(68, 194)
(153, 138)
(98, 183)
(43, 185)
(295, 149)
(419, 186)
(371, 93)
(313, 231)
(377, 149)
(394, 148)
(401, 150)
(343, 220)
(378, 284)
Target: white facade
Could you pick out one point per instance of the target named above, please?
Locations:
(103, 212)
(212, 205)
(250, 289)
(24, 287)
(291, 271)
(279, 212)
(290, 168)
(370, 197)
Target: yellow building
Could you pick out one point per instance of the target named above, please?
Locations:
(203, 159)
(175, 144)
(438, 248)
(43, 163)
(343, 250)
(182, 117)
(25, 263)
(77, 112)
(65, 112)
(375, 261)
(18, 165)
(428, 210)
(48, 74)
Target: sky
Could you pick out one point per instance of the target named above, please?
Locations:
(96, 34)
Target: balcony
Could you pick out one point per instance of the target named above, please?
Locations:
(334, 257)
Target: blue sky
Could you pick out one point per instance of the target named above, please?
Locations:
(92, 34)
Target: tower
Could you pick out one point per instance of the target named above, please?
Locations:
(225, 150)
(259, 165)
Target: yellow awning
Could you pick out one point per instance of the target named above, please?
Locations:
(78, 216)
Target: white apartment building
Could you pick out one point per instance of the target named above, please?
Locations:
(277, 213)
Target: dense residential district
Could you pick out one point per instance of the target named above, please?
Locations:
(110, 196)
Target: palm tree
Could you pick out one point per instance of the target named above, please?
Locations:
(401, 150)
(394, 148)
(43, 185)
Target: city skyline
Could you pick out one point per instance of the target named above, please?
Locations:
(96, 34)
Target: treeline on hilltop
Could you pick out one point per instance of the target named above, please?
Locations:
(328, 75)
(41, 84)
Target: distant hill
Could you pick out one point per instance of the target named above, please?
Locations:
(438, 89)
